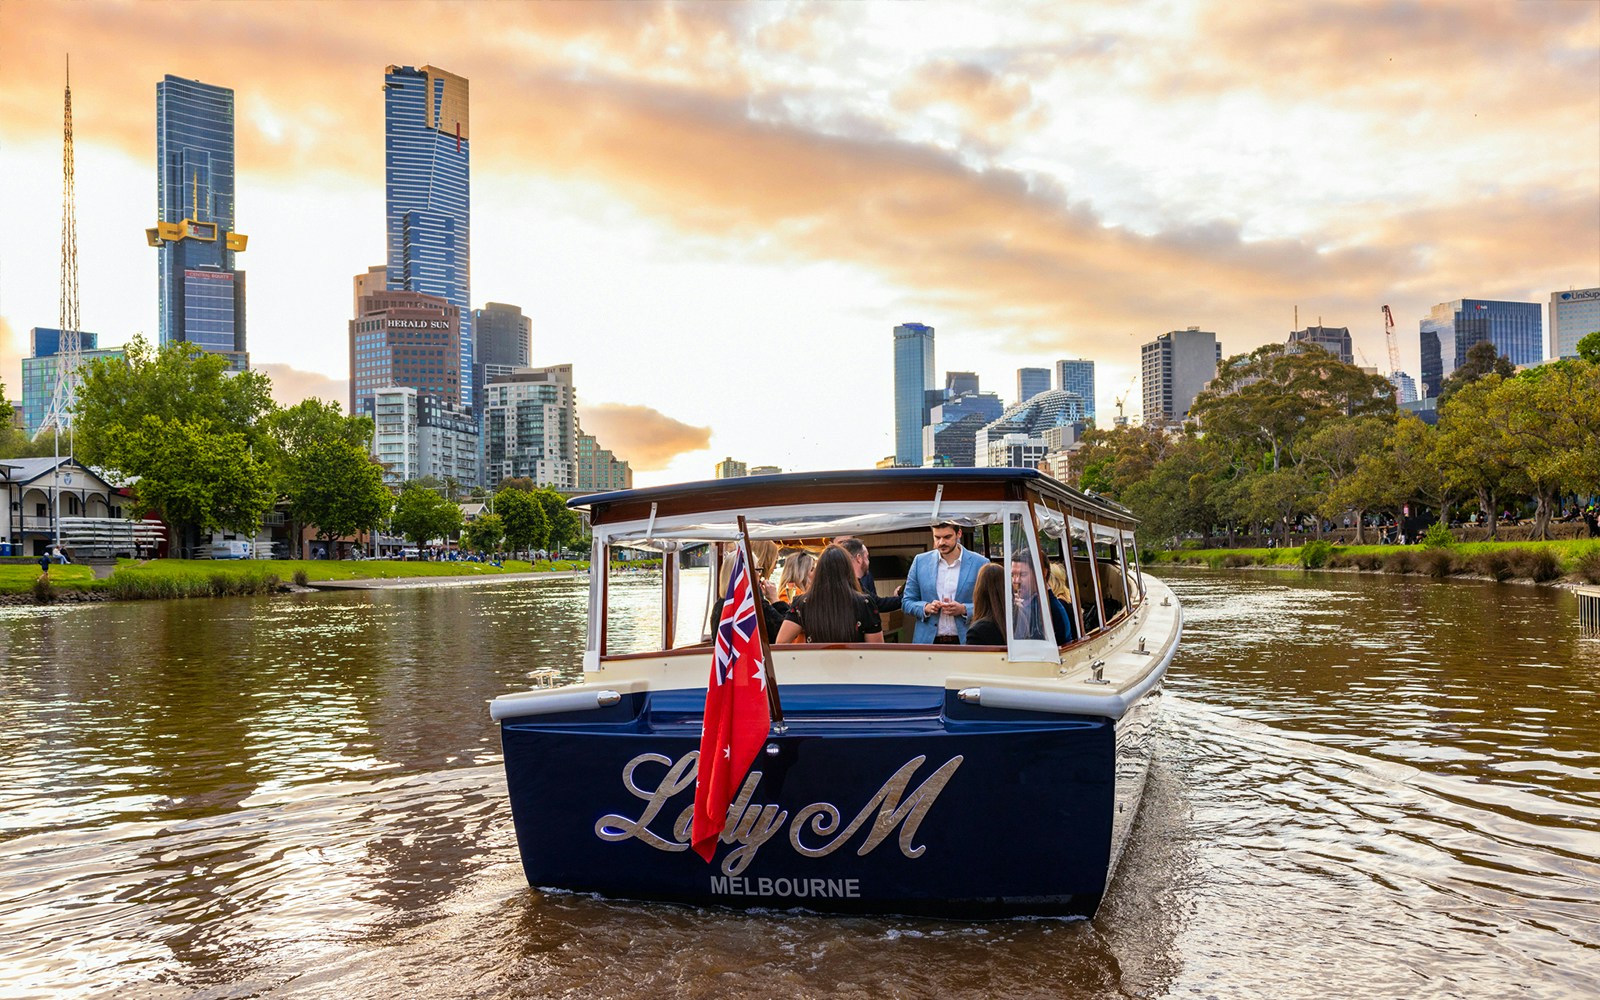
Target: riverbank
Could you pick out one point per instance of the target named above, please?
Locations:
(1574, 560)
(177, 578)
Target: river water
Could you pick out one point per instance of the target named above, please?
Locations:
(1366, 787)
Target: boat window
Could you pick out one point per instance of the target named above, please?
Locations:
(1031, 638)
(1053, 542)
(1091, 598)
(1132, 564)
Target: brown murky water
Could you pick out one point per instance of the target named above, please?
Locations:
(1367, 788)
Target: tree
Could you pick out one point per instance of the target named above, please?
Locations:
(338, 487)
(1549, 421)
(1471, 450)
(179, 382)
(1267, 399)
(324, 471)
(562, 522)
(1335, 452)
(1589, 347)
(1483, 358)
(484, 533)
(526, 526)
(185, 429)
(422, 515)
(200, 477)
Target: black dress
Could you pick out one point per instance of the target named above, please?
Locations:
(867, 620)
(984, 632)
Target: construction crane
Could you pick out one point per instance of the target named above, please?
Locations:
(1122, 420)
(1388, 336)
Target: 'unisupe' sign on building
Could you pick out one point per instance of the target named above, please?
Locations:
(816, 830)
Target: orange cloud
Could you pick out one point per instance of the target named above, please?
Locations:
(994, 106)
(290, 385)
(647, 439)
(12, 350)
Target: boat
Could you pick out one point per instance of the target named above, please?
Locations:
(957, 781)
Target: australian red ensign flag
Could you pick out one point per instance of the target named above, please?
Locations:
(737, 717)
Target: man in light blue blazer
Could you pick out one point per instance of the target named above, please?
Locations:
(938, 594)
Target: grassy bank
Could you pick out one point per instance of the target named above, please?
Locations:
(1542, 562)
(159, 578)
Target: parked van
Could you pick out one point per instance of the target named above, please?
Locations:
(235, 549)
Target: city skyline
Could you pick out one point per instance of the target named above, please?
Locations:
(1034, 183)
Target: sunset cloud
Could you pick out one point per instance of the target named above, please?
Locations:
(290, 385)
(1047, 179)
(645, 438)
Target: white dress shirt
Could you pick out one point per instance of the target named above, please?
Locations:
(946, 576)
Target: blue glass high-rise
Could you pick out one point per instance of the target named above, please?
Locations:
(1077, 375)
(427, 195)
(202, 293)
(1516, 329)
(913, 377)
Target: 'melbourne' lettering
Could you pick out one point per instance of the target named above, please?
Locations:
(798, 888)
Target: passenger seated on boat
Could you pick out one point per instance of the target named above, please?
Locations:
(1027, 615)
(834, 609)
(988, 603)
(1058, 608)
(764, 556)
(796, 577)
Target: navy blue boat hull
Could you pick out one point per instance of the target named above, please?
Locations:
(875, 800)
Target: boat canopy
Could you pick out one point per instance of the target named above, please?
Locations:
(1089, 537)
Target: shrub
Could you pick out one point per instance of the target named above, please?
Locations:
(300, 578)
(1437, 562)
(1437, 536)
(1493, 564)
(1400, 562)
(1235, 560)
(1314, 555)
(1588, 565)
(1538, 565)
(43, 590)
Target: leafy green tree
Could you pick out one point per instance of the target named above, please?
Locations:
(338, 487)
(1472, 451)
(1334, 453)
(1589, 347)
(199, 476)
(1483, 358)
(1549, 421)
(1279, 497)
(484, 533)
(323, 469)
(562, 522)
(422, 515)
(1267, 399)
(186, 429)
(179, 382)
(526, 526)
(523, 483)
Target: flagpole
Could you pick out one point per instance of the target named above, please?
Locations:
(774, 703)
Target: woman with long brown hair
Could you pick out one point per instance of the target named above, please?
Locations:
(989, 616)
(834, 609)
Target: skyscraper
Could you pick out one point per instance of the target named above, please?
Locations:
(1573, 315)
(40, 371)
(1031, 382)
(1333, 339)
(1173, 369)
(913, 377)
(202, 295)
(427, 195)
(404, 339)
(1077, 375)
(1515, 328)
(503, 342)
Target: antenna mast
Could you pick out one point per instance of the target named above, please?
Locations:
(69, 352)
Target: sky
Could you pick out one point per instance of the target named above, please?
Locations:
(719, 212)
